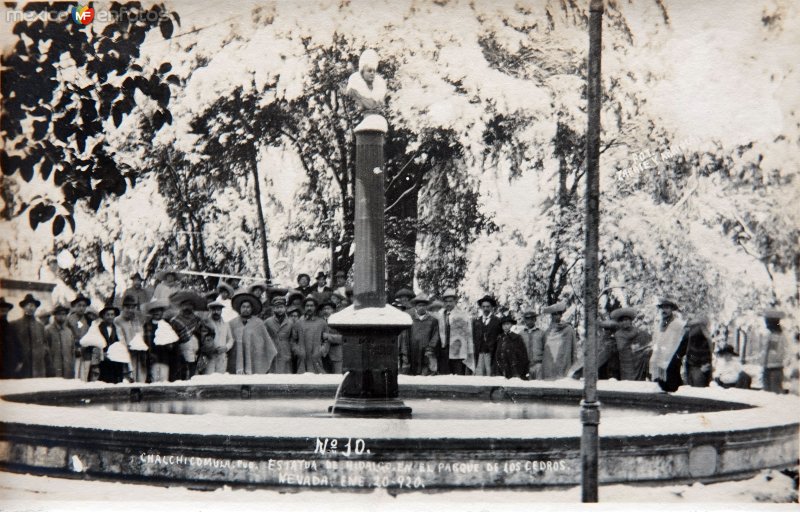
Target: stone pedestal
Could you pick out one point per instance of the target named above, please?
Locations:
(369, 327)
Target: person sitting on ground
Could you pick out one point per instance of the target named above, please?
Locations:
(728, 371)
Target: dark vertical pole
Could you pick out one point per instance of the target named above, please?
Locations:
(369, 263)
(590, 407)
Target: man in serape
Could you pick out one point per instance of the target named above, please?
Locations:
(253, 349)
(455, 350)
(160, 338)
(60, 345)
(186, 325)
(113, 365)
(216, 356)
(279, 327)
(307, 336)
(29, 353)
(559, 344)
(633, 345)
(130, 330)
(423, 339)
(511, 359)
(665, 363)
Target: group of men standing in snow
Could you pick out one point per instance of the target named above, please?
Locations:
(443, 339)
(167, 333)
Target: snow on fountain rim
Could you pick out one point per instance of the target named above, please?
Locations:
(769, 410)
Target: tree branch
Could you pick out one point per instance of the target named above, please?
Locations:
(403, 195)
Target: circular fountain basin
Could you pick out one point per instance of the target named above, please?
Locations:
(475, 432)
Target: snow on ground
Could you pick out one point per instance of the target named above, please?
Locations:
(28, 492)
(770, 410)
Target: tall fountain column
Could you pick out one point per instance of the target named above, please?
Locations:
(369, 327)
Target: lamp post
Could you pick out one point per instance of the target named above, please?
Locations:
(590, 407)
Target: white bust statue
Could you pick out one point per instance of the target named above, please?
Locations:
(366, 87)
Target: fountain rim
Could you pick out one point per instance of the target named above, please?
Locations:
(765, 410)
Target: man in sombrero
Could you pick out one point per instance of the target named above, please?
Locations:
(186, 325)
(253, 349)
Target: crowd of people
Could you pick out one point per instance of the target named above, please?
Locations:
(169, 333)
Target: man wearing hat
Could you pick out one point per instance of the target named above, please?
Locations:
(665, 363)
(186, 324)
(321, 290)
(632, 344)
(304, 284)
(216, 356)
(404, 296)
(110, 369)
(485, 331)
(140, 294)
(160, 338)
(77, 320)
(532, 339)
(279, 327)
(455, 331)
(224, 294)
(775, 352)
(253, 348)
(60, 345)
(29, 354)
(423, 339)
(696, 347)
(167, 286)
(340, 282)
(728, 371)
(8, 340)
(334, 360)
(258, 290)
(307, 337)
(512, 355)
(559, 344)
(129, 328)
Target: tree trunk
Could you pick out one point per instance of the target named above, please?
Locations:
(262, 225)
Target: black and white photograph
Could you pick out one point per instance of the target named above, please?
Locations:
(472, 255)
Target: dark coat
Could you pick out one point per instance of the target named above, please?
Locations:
(485, 337)
(511, 358)
(29, 354)
(8, 343)
(60, 351)
(423, 338)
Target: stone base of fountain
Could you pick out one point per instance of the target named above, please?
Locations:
(68, 428)
(369, 360)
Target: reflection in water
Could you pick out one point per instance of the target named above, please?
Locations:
(317, 407)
